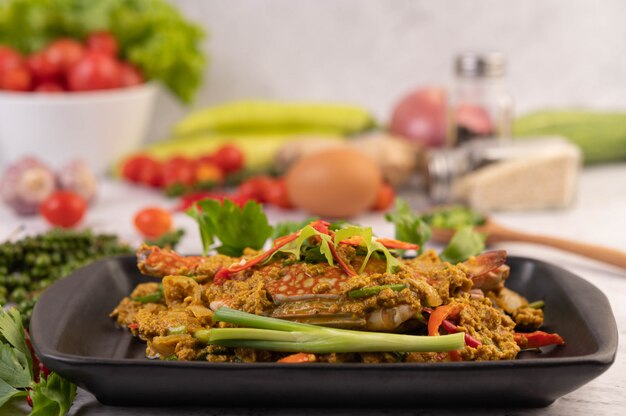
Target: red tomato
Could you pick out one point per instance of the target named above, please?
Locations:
(151, 173)
(384, 198)
(178, 170)
(102, 42)
(208, 172)
(63, 208)
(49, 86)
(276, 194)
(153, 222)
(131, 169)
(42, 69)
(255, 188)
(229, 158)
(130, 75)
(16, 79)
(9, 59)
(64, 53)
(94, 71)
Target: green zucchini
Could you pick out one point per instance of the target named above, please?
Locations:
(600, 135)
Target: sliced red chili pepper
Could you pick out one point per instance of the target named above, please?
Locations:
(401, 245)
(439, 315)
(349, 270)
(470, 341)
(537, 339)
(300, 357)
(132, 326)
(225, 273)
(454, 356)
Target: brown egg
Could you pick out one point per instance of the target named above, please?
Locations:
(337, 183)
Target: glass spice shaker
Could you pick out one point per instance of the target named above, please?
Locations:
(479, 105)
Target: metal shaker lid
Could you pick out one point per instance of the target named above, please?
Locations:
(478, 65)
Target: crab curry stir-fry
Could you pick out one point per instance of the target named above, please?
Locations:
(346, 282)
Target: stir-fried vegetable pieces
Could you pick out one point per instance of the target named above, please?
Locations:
(279, 335)
(19, 377)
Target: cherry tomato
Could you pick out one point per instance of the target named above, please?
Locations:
(255, 188)
(131, 169)
(208, 172)
(384, 197)
(63, 54)
(229, 158)
(49, 86)
(178, 170)
(153, 222)
(63, 208)
(102, 42)
(42, 69)
(276, 194)
(130, 75)
(9, 59)
(94, 71)
(151, 173)
(16, 79)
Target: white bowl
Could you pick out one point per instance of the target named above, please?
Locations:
(97, 127)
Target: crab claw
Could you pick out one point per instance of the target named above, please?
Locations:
(158, 262)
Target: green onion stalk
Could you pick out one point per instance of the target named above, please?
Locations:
(285, 336)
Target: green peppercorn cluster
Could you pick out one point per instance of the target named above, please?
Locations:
(30, 265)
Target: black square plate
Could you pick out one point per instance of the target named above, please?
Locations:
(73, 334)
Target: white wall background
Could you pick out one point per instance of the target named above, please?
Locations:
(560, 52)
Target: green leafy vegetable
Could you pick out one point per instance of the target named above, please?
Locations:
(289, 227)
(279, 335)
(454, 217)
(236, 228)
(464, 243)
(152, 34)
(16, 366)
(52, 396)
(409, 227)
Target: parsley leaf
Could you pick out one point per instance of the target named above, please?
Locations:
(409, 227)
(52, 397)
(289, 227)
(236, 228)
(464, 243)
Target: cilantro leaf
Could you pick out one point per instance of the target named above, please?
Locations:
(409, 227)
(466, 242)
(236, 228)
(52, 397)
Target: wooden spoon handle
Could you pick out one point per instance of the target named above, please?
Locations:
(603, 254)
